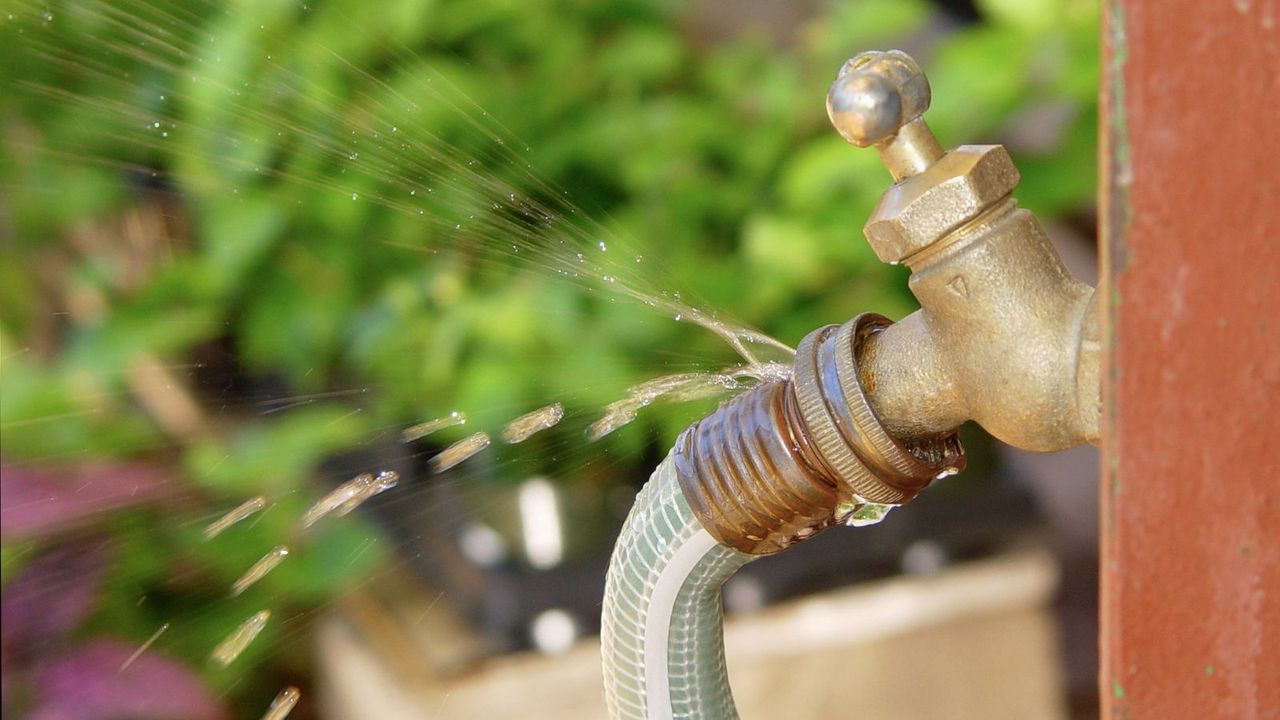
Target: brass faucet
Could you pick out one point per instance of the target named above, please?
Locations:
(1004, 335)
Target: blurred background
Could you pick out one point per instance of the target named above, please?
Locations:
(247, 244)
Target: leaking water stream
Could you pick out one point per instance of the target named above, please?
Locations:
(478, 199)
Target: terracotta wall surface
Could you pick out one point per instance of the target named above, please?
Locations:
(1191, 447)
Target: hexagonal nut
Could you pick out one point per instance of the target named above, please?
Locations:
(920, 210)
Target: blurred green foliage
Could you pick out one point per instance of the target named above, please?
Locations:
(714, 156)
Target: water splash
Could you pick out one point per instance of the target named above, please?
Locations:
(349, 495)
(244, 510)
(259, 569)
(459, 451)
(537, 230)
(422, 430)
(525, 426)
(143, 647)
(230, 648)
(283, 704)
(682, 387)
(397, 154)
(383, 481)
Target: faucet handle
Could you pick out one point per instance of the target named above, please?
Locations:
(876, 93)
(878, 99)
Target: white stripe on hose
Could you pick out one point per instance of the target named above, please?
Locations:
(657, 624)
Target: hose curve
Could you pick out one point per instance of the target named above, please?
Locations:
(662, 636)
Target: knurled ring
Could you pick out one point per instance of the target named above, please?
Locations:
(823, 430)
(874, 445)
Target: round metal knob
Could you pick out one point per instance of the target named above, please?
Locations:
(875, 94)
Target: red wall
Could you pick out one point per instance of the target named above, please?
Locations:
(1191, 446)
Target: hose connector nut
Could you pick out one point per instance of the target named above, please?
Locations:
(863, 458)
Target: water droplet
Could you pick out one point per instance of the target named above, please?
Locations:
(143, 648)
(349, 495)
(639, 258)
(867, 513)
(282, 704)
(354, 196)
(235, 643)
(523, 427)
(264, 565)
(679, 317)
(459, 452)
(244, 510)
(602, 246)
(423, 429)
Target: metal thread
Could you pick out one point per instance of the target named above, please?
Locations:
(745, 477)
(770, 467)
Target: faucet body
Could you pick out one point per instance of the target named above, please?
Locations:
(1004, 336)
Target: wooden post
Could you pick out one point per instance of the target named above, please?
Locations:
(1191, 438)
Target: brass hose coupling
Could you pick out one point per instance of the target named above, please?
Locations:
(1004, 336)
(779, 463)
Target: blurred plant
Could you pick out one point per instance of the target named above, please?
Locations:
(130, 264)
(90, 679)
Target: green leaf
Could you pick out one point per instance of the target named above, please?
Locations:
(275, 456)
(1026, 15)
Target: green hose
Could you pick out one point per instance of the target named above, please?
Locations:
(662, 634)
